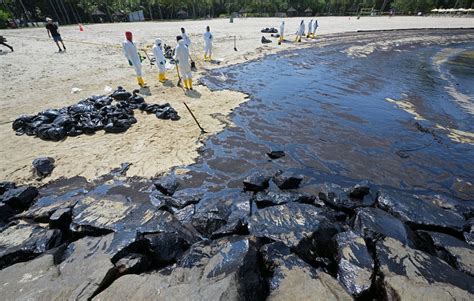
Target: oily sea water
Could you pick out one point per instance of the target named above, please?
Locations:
(401, 118)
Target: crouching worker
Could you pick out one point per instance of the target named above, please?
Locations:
(181, 56)
(208, 44)
(160, 60)
(131, 53)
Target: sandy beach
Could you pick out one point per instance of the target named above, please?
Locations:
(35, 77)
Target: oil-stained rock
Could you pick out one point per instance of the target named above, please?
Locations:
(469, 231)
(167, 184)
(408, 274)
(6, 185)
(271, 198)
(337, 197)
(464, 208)
(374, 223)
(61, 219)
(23, 242)
(355, 264)
(276, 154)
(302, 227)
(6, 213)
(224, 269)
(43, 166)
(83, 269)
(452, 250)
(19, 198)
(217, 210)
(257, 181)
(420, 213)
(287, 180)
(360, 190)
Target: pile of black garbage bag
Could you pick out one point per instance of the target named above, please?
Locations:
(269, 30)
(112, 113)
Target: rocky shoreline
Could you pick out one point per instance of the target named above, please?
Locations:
(276, 238)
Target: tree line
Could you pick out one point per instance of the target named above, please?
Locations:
(26, 12)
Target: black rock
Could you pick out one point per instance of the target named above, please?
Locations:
(304, 228)
(469, 232)
(23, 242)
(19, 198)
(336, 197)
(61, 219)
(271, 198)
(420, 213)
(215, 211)
(166, 247)
(257, 181)
(43, 166)
(374, 224)
(355, 264)
(167, 184)
(287, 180)
(276, 154)
(405, 272)
(359, 191)
(456, 252)
(5, 185)
(6, 213)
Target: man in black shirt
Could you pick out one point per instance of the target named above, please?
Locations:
(53, 32)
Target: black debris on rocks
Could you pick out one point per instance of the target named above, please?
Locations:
(43, 166)
(257, 181)
(112, 113)
(287, 180)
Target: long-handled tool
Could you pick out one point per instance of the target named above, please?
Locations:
(148, 57)
(235, 45)
(179, 76)
(193, 64)
(197, 122)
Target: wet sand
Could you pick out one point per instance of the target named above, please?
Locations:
(35, 77)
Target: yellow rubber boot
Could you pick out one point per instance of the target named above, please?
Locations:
(205, 57)
(141, 82)
(209, 58)
(190, 84)
(185, 83)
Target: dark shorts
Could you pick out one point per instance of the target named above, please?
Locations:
(57, 38)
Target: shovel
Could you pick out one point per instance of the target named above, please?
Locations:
(193, 64)
(235, 45)
(179, 77)
(195, 120)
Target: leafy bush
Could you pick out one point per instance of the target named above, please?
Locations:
(4, 17)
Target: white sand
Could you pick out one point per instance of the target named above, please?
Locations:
(35, 77)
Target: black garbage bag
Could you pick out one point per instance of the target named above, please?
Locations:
(21, 122)
(136, 99)
(121, 94)
(265, 40)
(118, 126)
(43, 166)
(269, 30)
(50, 114)
(167, 113)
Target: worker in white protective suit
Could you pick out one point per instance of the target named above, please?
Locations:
(300, 32)
(181, 56)
(310, 29)
(160, 60)
(186, 39)
(131, 53)
(208, 38)
(315, 26)
(282, 32)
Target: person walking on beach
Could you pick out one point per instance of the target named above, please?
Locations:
(186, 39)
(181, 56)
(131, 53)
(208, 44)
(300, 32)
(160, 60)
(310, 29)
(282, 32)
(3, 42)
(53, 32)
(315, 26)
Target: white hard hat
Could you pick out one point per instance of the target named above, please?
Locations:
(48, 19)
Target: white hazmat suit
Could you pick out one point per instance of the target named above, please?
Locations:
(208, 45)
(181, 55)
(315, 27)
(300, 31)
(310, 28)
(131, 53)
(160, 60)
(186, 39)
(282, 31)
